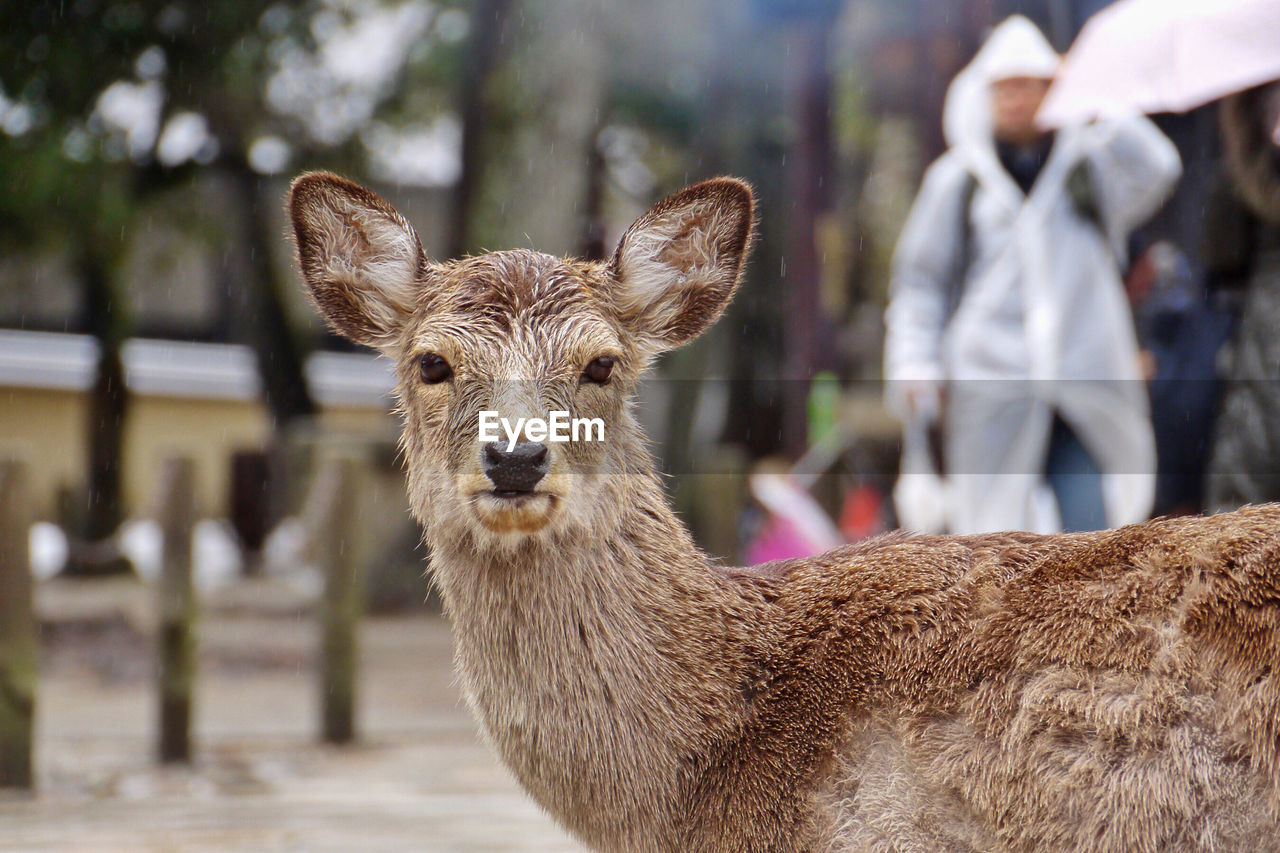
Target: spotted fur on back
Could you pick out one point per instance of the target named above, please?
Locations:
(1010, 692)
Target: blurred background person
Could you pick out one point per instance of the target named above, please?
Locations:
(1181, 329)
(1242, 251)
(1008, 324)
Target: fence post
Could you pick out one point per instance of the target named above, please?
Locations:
(18, 642)
(334, 512)
(176, 605)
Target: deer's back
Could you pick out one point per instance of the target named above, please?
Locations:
(1101, 691)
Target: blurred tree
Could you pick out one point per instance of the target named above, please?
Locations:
(107, 103)
(705, 86)
(554, 124)
(542, 112)
(810, 333)
(488, 19)
(57, 190)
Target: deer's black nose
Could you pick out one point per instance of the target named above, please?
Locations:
(516, 470)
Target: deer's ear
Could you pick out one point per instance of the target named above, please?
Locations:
(361, 260)
(677, 266)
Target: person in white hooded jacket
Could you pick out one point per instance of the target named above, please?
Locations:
(1008, 319)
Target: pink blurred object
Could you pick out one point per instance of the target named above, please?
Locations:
(778, 539)
(1154, 56)
(797, 526)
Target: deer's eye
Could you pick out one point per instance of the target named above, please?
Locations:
(598, 370)
(434, 368)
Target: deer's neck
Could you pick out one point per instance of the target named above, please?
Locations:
(602, 667)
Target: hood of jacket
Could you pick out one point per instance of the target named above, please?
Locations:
(1015, 48)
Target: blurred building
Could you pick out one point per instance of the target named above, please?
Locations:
(201, 400)
(193, 379)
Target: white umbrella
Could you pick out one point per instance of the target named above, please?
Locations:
(1154, 56)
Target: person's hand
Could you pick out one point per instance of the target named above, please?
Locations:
(923, 398)
(1147, 364)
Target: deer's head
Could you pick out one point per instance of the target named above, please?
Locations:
(518, 335)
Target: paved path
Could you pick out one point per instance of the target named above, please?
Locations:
(419, 780)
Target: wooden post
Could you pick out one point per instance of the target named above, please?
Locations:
(334, 512)
(176, 606)
(18, 642)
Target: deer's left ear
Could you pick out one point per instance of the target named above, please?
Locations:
(677, 266)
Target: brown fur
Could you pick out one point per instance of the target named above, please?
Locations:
(1108, 691)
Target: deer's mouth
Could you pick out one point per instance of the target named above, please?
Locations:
(515, 495)
(514, 511)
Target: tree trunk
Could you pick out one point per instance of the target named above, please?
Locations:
(280, 357)
(92, 552)
(592, 247)
(487, 20)
(809, 334)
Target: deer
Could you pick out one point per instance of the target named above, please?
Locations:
(1115, 690)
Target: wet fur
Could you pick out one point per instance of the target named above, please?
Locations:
(1108, 691)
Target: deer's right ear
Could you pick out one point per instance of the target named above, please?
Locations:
(361, 259)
